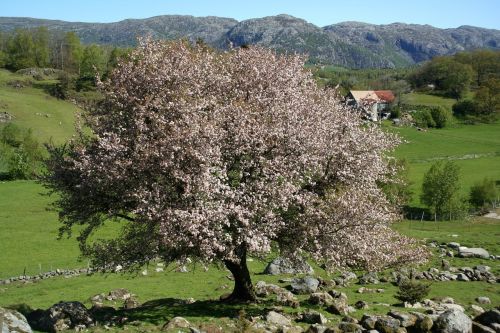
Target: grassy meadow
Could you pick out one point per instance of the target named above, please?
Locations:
(426, 99)
(475, 148)
(31, 107)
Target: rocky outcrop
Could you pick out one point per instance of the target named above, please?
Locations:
(350, 44)
(60, 317)
(305, 285)
(13, 321)
(453, 321)
(475, 252)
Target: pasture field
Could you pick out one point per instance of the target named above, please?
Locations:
(29, 232)
(474, 148)
(31, 107)
(426, 99)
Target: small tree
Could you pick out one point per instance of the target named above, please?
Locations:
(440, 188)
(218, 156)
(412, 291)
(483, 193)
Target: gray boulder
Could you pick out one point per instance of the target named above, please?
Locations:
(483, 300)
(476, 310)
(317, 328)
(282, 265)
(361, 305)
(292, 329)
(277, 319)
(482, 268)
(313, 317)
(368, 321)
(321, 299)
(369, 278)
(348, 327)
(453, 321)
(13, 321)
(175, 323)
(305, 285)
(405, 319)
(263, 289)
(339, 305)
(424, 323)
(387, 325)
(118, 294)
(475, 252)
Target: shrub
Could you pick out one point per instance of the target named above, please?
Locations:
(483, 193)
(464, 107)
(412, 291)
(441, 116)
(423, 118)
(395, 112)
(470, 111)
(20, 153)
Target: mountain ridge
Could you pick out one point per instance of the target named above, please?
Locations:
(349, 44)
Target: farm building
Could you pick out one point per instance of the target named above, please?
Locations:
(375, 103)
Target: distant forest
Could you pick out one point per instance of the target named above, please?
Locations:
(28, 48)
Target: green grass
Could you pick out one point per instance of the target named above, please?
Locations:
(455, 142)
(479, 232)
(29, 232)
(426, 99)
(475, 148)
(33, 108)
(471, 172)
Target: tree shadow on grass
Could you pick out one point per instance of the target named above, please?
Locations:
(160, 311)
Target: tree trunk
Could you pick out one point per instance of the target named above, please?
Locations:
(243, 289)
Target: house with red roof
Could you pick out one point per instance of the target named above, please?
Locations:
(374, 103)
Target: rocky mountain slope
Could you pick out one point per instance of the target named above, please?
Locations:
(350, 44)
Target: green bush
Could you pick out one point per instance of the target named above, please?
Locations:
(423, 118)
(441, 116)
(470, 111)
(20, 153)
(412, 291)
(395, 112)
(483, 193)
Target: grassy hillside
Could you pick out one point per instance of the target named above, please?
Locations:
(475, 148)
(425, 99)
(29, 232)
(33, 108)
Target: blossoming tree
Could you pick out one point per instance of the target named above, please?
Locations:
(221, 155)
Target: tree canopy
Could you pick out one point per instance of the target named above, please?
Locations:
(440, 189)
(217, 156)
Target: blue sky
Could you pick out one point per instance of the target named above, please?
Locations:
(439, 13)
